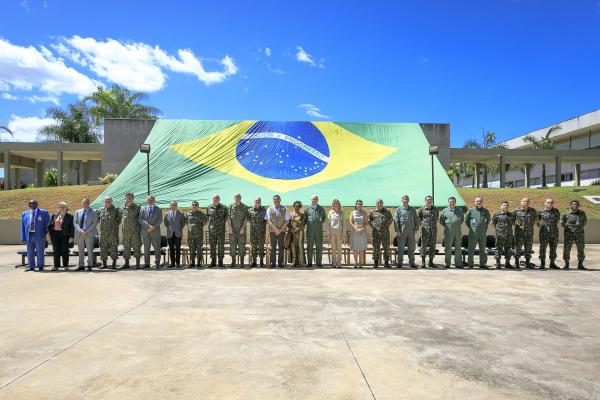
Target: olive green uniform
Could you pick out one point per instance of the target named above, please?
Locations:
(406, 225)
(380, 221)
(109, 219)
(574, 223)
(131, 232)
(451, 220)
(238, 215)
(477, 220)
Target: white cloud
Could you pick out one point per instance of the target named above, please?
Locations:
(139, 66)
(32, 99)
(267, 52)
(313, 111)
(26, 129)
(275, 70)
(29, 68)
(303, 56)
(8, 96)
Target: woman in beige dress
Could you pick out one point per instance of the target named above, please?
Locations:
(296, 229)
(335, 222)
(358, 234)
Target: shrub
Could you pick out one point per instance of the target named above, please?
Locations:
(50, 178)
(108, 178)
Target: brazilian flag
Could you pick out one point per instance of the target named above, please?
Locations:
(193, 160)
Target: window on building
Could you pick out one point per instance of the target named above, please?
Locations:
(536, 181)
(519, 183)
(566, 177)
(590, 173)
(549, 178)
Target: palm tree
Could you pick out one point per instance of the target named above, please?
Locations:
(7, 130)
(543, 143)
(118, 102)
(73, 125)
(469, 169)
(455, 172)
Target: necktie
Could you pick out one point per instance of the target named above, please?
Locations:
(83, 219)
(32, 222)
(150, 211)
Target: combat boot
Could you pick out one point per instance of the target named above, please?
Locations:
(262, 262)
(375, 264)
(114, 264)
(566, 265)
(137, 263)
(553, 265)
(423, 262)
(192, 262)
(580, 265)
(542, 264)
(483, 266)
(233, 265)
(413, 265)
(126, 265)
(242, 262)
(528, 263)
(498, 266)
(253, 265)
(386, 264)
(220, 263)
(104, 265)
(212, 263)
(431, 264)
(517, 263)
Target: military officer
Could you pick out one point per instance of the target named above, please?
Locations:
(131, 231)
(258, 230)
(380, 220)
(503, 222)
(217, 215)
(547, 220)
(573, 221)
(428, 219)
(195, 220)
(238, 218)
(525, 218)
(451, 218)
(477, 220)
(109, 218)
(315, 216)
(406, 224)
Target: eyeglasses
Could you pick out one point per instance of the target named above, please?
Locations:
(62, 207)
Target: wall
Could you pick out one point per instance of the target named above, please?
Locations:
(439, 134)
(122, 140)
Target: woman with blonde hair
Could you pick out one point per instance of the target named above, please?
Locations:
(335, 221)
(358, 234)
(61, 231)
(296, 230)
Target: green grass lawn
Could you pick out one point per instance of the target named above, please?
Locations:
(13, 202)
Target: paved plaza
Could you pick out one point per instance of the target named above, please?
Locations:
(300, 334)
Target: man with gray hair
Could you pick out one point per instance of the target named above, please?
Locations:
(315, 216)
(150, 219)
(238, 219)
(131, 231)
(86, 220)
(109, 218)
(477, 220)
(174, 222)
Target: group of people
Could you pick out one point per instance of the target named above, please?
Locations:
(291, 231)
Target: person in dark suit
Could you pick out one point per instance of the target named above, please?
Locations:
(150, 219)
(62, 231)
(34, 226)
(174, 222)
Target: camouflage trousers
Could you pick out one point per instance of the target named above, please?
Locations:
(548, 238)
(132, 240)
(579, 240)
(523, 243)
(381, 239)
(257, 243)
(195, 246)
(109, 246)
(504, 246)
(428, 237)
(216, 242)
(237, 246)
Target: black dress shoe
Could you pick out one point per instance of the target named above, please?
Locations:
(309, 265)
(89, 268)
(413, 266)
(319, 265)
(80, 268)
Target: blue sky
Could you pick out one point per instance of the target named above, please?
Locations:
(507, 65)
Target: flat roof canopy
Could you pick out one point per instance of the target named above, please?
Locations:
(48, 151)
(521, 156)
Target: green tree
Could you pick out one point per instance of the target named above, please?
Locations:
(73, 125)
(488, 141)
(543, 143)
(118, 102)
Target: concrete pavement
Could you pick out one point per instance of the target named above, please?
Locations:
(300, 334)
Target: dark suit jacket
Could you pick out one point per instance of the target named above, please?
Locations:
(68, 227)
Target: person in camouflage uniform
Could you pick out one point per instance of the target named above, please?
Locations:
(525, 218)
(109, 218)
(258, 230)
(477, 220)
(406, 225)
(573, 221)
(217, 215)
(547, 220)
(195, 220)
(238, 217)
(451, 218)
(380, 220)
(131, 231)
(428, 219)
(503, 222)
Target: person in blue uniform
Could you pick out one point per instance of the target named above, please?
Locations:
(34, 227)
